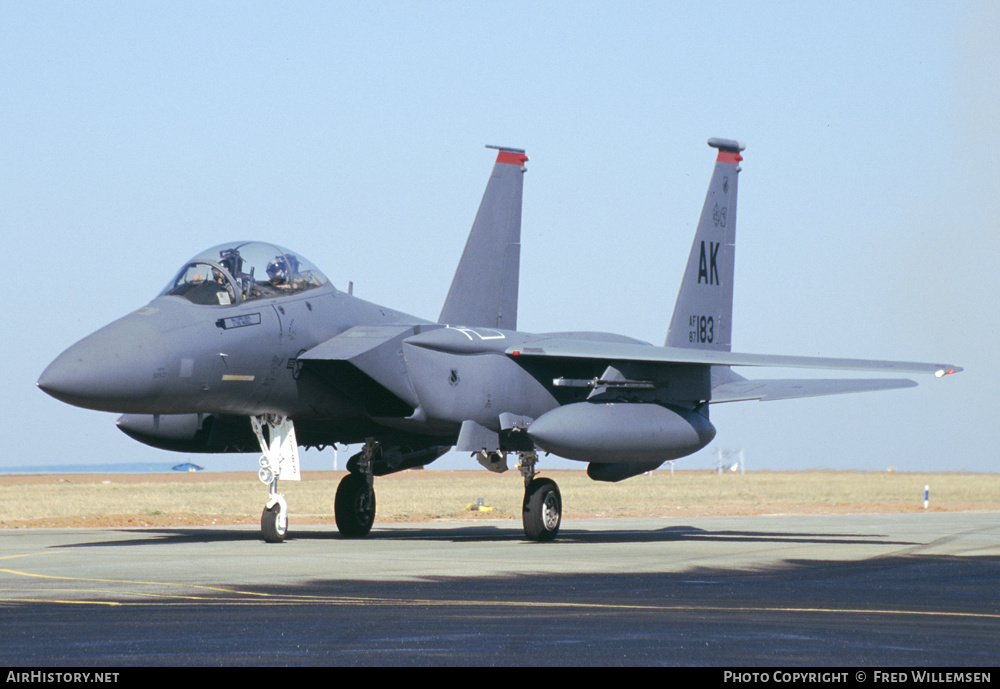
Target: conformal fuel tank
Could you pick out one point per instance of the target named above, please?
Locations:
(621, 432)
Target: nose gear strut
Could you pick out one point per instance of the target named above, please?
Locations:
(279, 461)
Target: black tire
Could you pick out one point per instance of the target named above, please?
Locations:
(354, 506)
(272, 527)
(542, 510)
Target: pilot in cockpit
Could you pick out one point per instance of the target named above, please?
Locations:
(281, 272)
(225, 275)
(231, 260)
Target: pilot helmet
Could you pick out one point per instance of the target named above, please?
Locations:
(278, 269)
(231, 260)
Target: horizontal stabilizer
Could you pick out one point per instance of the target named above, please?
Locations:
(768, 390)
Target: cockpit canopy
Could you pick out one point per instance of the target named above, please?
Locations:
(243, 271)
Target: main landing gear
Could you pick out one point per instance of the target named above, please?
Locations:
(354, 505)
(541, 510)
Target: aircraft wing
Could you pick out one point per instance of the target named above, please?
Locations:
(768, 390)
(617, 351)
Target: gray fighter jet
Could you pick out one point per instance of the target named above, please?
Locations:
(250, 346)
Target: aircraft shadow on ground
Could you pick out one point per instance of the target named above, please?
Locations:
(896, 610)
(491, 533)
(855, 581)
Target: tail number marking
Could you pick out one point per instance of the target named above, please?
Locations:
(702, 329)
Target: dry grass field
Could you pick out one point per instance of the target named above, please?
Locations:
(237, 498)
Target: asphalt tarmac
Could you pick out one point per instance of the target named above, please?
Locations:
(860, 590)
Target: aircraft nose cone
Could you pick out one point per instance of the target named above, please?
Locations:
(115, 369)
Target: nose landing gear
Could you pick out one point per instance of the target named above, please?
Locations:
(280, 460)
(274, 520)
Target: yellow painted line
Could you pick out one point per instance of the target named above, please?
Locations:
(235, 592)
(11, 557)
(63, 602)
(127, 581)
(240, 597)
(286, 599)
(233, 376)
(339, 602)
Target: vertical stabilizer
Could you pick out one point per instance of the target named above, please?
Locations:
(703, 313)
(484, 290)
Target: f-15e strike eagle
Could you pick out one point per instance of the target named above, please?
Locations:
(249, 345)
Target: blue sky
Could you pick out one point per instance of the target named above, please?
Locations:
(135, 135)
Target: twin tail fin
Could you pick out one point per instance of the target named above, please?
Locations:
(703, 314)
(484, 290)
